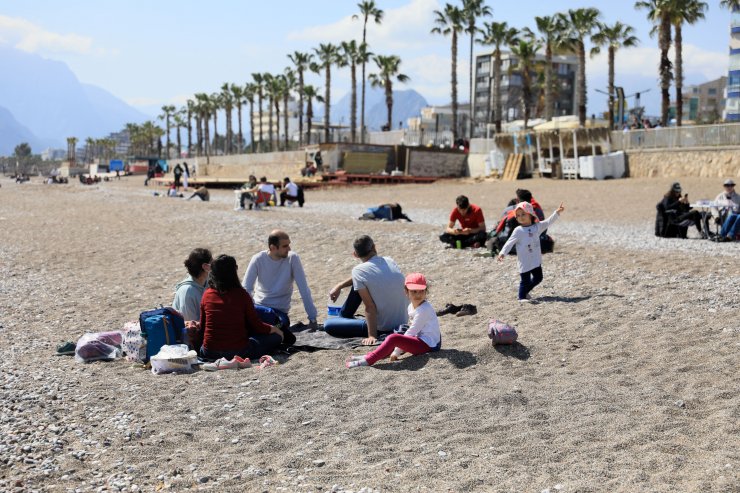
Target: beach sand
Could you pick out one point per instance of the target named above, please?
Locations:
(626, 378)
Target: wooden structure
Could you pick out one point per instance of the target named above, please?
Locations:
(512, 167)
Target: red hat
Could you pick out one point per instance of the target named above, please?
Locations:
(416, 281)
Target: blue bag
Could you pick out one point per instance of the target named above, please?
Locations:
(162, 326)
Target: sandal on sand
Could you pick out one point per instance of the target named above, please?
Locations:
(222, 364)
(266, 361)
(66, 348)
(243, 362)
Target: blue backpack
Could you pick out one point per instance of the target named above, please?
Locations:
(162, 326)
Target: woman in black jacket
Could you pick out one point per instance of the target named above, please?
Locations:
(676, 211)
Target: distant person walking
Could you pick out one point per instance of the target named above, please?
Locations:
(178, 174)
(185, 176)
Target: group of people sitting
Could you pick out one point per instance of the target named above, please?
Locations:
(675, 215)
(226, 318)
(264, 193)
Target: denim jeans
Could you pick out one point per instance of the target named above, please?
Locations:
(529, 280)
(731, 226)
(345, 325)
(259, 345)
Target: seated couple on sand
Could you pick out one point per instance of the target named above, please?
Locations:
(223, 318)
(258, 195)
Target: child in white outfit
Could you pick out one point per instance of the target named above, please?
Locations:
(422, 336)
(526, 238)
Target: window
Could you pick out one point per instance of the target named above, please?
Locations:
(712, 91)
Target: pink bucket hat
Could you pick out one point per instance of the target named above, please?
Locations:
(415, 281)
(527, 207)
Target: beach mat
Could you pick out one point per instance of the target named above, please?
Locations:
(317, 340)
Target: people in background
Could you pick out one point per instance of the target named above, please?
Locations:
(472, 226)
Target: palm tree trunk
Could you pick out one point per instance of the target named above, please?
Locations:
(353, 104)
(259, 114)
(664, 40)
(453, 85)
(678, 48)
(309, 117)
(277, 123)
(581, 84)
(497, 90)
(207, 135)
(168, 135)
(190, 131)
(215, 129)
(389, 102)
(327, 102)
(269, 122)
(179, 146)
(285, 118)
(241, 135)
(548, 81)
(611, 87)
(472, 113)
(362, 102)
(251, 126)
(228, 144)
(198, 136)
(300, 107)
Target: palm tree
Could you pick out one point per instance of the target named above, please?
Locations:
(613, 37)
(688, 12)
(497, 34)
(368, 9)
(71, 149)
(659, 14)
(551, 28)
(216, 104)
(167, 111)
(526, 53)
(730, 4)
(204, 107)
(329, 55)
(389, 70)
(270, 89)
(289, 84)
(190, 104)
(87, 158)
(179, 119)
(580, 24)
(227, 103)
(237, 93)
(311, 93)
(352, 54)
(250, 91)
(473, 10)
(451, 21)
(259, 85)
(302, 62)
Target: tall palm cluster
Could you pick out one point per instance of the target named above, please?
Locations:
(267, 97)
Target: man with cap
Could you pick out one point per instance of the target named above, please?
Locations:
(378, 284)
(730, 199)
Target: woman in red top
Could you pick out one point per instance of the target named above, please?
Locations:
(229, 324)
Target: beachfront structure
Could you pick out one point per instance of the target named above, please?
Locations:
(732, 105)
(703, 103)
(439, 119)
(564, 75)
(278, 128)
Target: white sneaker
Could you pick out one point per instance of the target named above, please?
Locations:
(525, 300)
(238, 208)
(221, 364)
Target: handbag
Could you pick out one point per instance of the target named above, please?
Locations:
(501, 333)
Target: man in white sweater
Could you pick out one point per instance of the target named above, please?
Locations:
(274, 272)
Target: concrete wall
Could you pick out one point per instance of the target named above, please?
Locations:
(273, 165)
(714, 163)
(436, 163)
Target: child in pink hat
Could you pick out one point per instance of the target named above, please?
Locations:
(422, 336)
(526, 238)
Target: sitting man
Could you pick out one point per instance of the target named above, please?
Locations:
(378, 284)
(202, 193)
(189, 292)
(472, 230)
(291, 192)
(275, 270)
(248, 191)
(731, 224)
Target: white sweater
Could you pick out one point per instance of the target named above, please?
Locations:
(527, 241)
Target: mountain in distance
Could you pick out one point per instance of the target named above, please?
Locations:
(46, 97)
(13, 133)
(406, 104)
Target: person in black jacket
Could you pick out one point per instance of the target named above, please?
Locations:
(674, 210)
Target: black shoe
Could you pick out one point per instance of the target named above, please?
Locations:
(449, 308)
(467, 310)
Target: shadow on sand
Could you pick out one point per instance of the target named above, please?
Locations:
(460, 359)
(516, 350)
(573, 299)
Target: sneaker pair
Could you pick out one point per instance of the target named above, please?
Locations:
(467, 310)
(449, 308)
(236, 363)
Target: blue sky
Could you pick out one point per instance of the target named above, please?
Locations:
(151, 53)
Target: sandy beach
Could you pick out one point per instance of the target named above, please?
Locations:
(626, 378)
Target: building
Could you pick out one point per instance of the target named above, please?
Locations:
(439, 119)
(50, 154)
(564, 74)
(703, 103)
(732, 104)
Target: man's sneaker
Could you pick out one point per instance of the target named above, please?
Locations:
(221, 364)
(467, 310)
(449, 308)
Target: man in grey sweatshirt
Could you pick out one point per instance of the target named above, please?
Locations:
(274, 271)
(190, 290)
